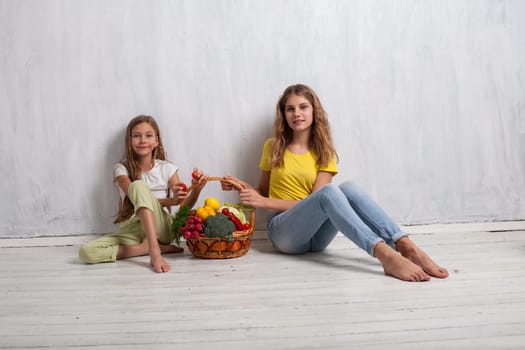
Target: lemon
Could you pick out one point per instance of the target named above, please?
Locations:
(212, 203)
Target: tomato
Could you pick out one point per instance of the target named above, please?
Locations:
(225, 211)
(195, 174)
(183, 186)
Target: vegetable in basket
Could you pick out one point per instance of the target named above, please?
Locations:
(218, 226)
(239, 210)
(238, 213)
(178, 221)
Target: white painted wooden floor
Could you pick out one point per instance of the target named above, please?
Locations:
(338, 299)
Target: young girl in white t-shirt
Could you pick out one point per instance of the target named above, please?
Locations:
(145, 179)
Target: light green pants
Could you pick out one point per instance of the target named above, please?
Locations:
(130, 232)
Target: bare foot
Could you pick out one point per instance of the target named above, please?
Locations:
(413, 253)
(159, 264)
(395, 265)
(170, 248)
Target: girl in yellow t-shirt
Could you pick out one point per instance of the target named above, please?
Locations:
(307, 210)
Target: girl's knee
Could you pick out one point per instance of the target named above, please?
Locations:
(329, 191)
(138, 185)
(329, 188)
(141, 196)
(350, 188)
(349, 185)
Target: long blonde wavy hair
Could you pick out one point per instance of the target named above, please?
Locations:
(126, 208)
(320, 134)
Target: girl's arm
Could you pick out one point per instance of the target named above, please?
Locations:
(198, 185)
(258, 198)
(323, 178)
(181, 194)
(123, 182)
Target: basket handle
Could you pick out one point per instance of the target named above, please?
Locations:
(213, 178)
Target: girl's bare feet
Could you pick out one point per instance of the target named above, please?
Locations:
(129, 251)
(159, 264)
(413, 253)
(395, 265)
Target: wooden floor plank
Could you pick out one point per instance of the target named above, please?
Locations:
(338, 299)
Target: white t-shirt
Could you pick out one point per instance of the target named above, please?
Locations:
(157, 178)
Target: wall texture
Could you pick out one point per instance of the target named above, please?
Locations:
(426, 99)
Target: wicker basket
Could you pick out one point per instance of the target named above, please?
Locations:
(223, 248)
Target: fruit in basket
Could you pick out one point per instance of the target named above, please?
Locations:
(212, 203)
(204, 212)
(227, 210)
(218, 226)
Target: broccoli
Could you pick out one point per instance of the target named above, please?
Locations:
(218, 226)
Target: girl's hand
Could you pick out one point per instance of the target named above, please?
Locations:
(249, 196)
(198, 179)
(226, 186)
(180, 191)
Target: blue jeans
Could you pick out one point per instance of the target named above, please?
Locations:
(311, 224)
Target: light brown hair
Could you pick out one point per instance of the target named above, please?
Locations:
(320, 138)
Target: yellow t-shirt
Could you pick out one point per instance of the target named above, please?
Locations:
(296, 178)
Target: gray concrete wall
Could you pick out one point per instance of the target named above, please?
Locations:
(426, 99)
